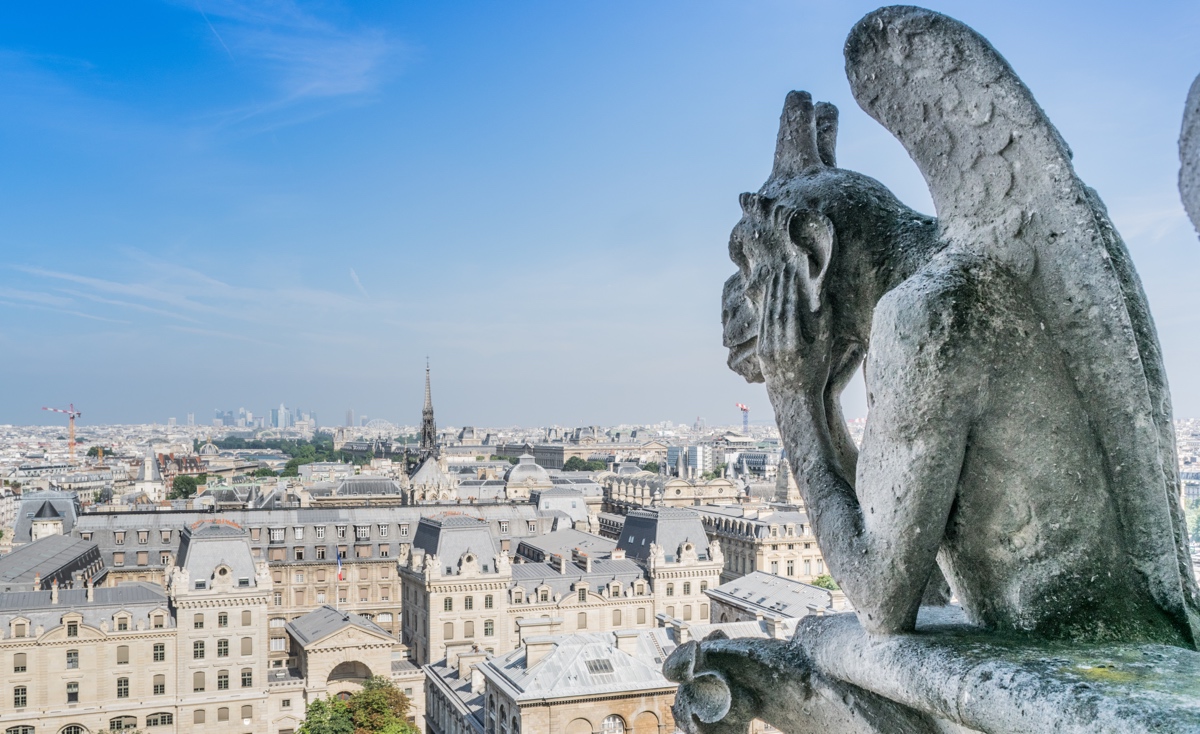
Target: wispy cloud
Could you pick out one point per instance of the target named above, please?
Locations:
(358, 283)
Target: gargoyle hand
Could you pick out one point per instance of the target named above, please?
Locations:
(793, 339)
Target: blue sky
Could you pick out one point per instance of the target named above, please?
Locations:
(215, 204)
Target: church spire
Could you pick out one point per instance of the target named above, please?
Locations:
(428, 427)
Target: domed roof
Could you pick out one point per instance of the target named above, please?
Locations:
(209, 449)
(528, 472)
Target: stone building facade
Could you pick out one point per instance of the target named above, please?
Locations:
(626, 492)
(764, 539)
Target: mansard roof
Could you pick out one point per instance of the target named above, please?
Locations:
(668, 527)
(325, 621)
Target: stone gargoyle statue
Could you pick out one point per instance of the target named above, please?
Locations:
(1189, 155)
(1019, 446)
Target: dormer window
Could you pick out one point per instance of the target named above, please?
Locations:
(298, 533)
(341, 531)
(320, 531)
(72, 629)
(243, 582)
(122, 624)
(362, 532)
(143, 537)
(201, 585)
(119, 537)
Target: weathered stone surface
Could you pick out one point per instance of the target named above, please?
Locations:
(946, 676)
(1189, 155)
(1019, 444)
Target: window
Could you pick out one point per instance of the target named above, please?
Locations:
(278, 598)
(469, 602)
(616, 618)
(158, 621)
(341, 531)
(533, 526)
(198, 716)
(404, 530)
(298, 577)
(164, 536)
(198, 622)
(198, 681)
(119, 538)
(122, 654)
(775, 567)
(448, 631)
(791, 568)
(385, 551)
(320, 531)
(198, 650)
(278, 644)
(223, 714)
(703, 586)
(383, 531)
(160, 685)
(18, 630)
(246, 620)
(613, 725)
(641, 615)
(298, 533)
(544, 595)
(285, 703)
(299, 553)
(72, 692)
(489, 628)
(504, 526)
(143, 558)
(670, 589)
(687, 588)
(247, 645)
(122, 688)
(160, 719)
(447, 605)
(72, 729)
(247, 712)
(201, 585)
(72, 629)
(703, 612)
(276, 535)
(22, 729)
(164, 558)
(582, 596)
(469, 628)
(687, 612)
(19, 663)
(122, 624)
(278, 622)
(222, 680)
(160, 652)
(320, 552)
(583, 620)
(223, 619)
(222, 648)
(487, 602)
(247, 678)
(122, 722)
(72, 659)
(808, 568)
(20, 696)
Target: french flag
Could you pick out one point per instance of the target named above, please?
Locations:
(339, 555)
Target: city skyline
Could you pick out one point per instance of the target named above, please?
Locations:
(213, 205)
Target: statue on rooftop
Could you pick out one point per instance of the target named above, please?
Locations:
(1019, 444)
(1189, 155)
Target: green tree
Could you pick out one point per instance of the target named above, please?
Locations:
(577, 464)
(650, 466)
(327, 716)
(182, 487)
(379, 707)
(263, 471)
(94, 451)
(825, 581)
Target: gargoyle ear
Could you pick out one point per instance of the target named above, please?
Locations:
(755, 204)
(813, 239)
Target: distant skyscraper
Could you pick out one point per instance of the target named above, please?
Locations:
(170, 421)
(350, 418)
(191, 419)
(428, 445)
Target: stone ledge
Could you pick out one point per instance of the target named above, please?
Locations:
(991, 683)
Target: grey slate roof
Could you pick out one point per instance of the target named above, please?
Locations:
(563, 542)
(43, 558)
(324, 621)
(210, 545)
(604, 571)
(765, 592)
(66, 504)
(137, 598)
(46, 511)
(669, 527)
(451, 535)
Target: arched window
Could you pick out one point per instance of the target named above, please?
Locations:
(223, 714)
(22, 729)
(469, 628)
(487, 602)
(516, 726)
(247, 712)
(222, 680)
(160, 685)
(247, 677)
(223, 619)
(613, 724)
(246, 618)
(122, 654)
(19, 663)
(122, 722)
(72, 729)
(687, 612)
(582, 620)
(160, 719)
(198, 681)
(489, 628)
(670, 589)
(687, 588)
(503, 722)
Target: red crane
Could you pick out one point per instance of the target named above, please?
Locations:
(71, 414)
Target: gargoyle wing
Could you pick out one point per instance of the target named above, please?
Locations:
(1004, 187)
(1189, 155)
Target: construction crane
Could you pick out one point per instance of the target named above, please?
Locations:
(745, 418)
(71, 414)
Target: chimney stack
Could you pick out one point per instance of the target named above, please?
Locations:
(91, 594)
(537, 648)
(54, 591)
(627, 640)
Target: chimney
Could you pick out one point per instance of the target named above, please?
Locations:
(37, 581)
(773, 626)
(617, 554)
(54, 591)
(91, 594)
(558, 562)
(627, 640)
(581, 559)
(537, 648)
(467, 660)
(837, 601)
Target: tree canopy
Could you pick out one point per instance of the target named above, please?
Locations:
(182, 487)
(651, 466)
(825, 581)
(577, 464)
(379, 708)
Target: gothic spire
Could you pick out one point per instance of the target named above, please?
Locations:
(428, 427)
